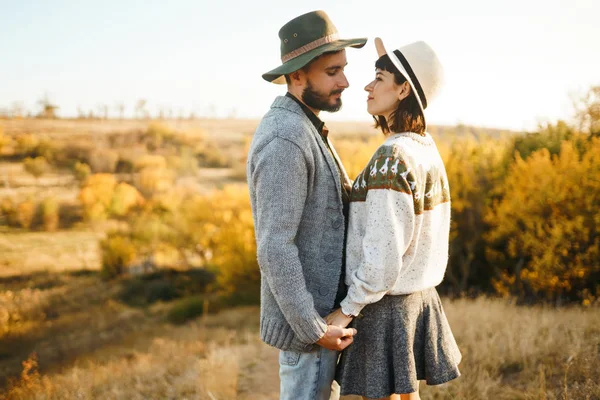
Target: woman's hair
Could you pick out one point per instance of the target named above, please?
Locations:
(408, 116)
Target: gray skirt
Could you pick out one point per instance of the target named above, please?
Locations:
(400, 341)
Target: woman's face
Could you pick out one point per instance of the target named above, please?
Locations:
(384, 94)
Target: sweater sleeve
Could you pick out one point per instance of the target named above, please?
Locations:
(280, 178)
(389, 227)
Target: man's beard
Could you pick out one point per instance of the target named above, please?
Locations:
(317, 100)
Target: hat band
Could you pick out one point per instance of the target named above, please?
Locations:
(310, 46)
(413, 77)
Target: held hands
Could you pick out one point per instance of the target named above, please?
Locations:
(338, 318)
(337, 338)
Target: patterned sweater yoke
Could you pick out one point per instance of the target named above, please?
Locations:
(399, 222)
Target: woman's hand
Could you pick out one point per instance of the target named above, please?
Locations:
(338, 318)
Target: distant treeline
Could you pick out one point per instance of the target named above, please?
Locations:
(140, 110)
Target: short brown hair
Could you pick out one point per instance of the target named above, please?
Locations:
(408, 116)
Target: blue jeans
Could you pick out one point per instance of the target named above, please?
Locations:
(308, 376)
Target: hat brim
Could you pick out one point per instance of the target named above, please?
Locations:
(381, 51)
(277, 75)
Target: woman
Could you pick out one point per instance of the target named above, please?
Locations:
(397, 245)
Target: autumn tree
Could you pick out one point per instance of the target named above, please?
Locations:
(544, 240)
(474, 170)
(102, 197)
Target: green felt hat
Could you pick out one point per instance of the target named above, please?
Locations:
(304, 38)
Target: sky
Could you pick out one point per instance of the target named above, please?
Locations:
(512, 64)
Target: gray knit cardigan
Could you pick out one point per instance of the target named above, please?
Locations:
(295, 193)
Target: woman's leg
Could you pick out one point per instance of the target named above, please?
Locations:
(392, 397)
(408, 396)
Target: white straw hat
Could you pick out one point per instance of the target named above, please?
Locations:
(419, 64)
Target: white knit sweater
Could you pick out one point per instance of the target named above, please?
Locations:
(399, 222)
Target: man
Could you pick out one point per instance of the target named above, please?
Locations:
(299, 195)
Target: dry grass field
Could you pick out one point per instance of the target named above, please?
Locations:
(66, 334)
(87, 345)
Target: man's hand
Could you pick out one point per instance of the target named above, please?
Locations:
(337, 338)
(338, 318)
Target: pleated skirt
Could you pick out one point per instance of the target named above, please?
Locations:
(401, 340)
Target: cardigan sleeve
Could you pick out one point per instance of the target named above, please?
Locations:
(390, 221)
(280, 177)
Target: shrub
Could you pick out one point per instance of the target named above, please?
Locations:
(50, 214)
(117, 252)
(185, 164)
(81, 171)
(186, 309)
(26, 144)
(156, 135)
(124, 166)
(543, 238)
(209, 156)
(25, 213)
(46, 149)
(151, 181)
(96, 196)
(36, 166)
(355, 153)
(149, 161)
(103, 160)
(164, 285)
(4, 140)
(220, 226)
(8, 211)
(194, 281)
(141, 292)
(72, 153)
(124, 198)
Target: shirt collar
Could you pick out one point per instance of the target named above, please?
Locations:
(319, 125)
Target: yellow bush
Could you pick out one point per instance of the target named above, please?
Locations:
(81, 171)
(156, 135)
(210, 156)
(356, 153)
(8, 211)
(544, 229)
(151, 181)
(474, 169)
(35, 166)
(96, 195)
(25, 213)
(185, 163)
(149, 161)
(102, 197)
(4, 140)
(124, 198)
(26, 143)
(50, 214)
(117, 253)
(220, 225)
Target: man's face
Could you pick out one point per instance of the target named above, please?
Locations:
(325, 81)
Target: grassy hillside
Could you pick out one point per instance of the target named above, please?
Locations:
(80, 341)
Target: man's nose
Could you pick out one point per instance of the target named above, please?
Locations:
(344, 81)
